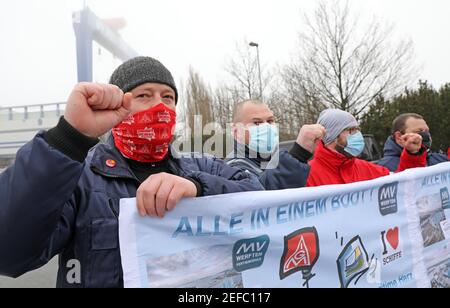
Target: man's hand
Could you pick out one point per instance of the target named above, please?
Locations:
(93, 109)
(413, 143)
(162, 192)
(310, 136)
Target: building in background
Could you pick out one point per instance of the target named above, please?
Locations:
(100, 49)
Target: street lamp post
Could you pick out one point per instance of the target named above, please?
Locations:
(253, 44)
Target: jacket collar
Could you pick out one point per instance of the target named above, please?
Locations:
(109, 162)
(391, 148)
(331, 159)
(243, 151)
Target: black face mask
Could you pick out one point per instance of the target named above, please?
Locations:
(427, 141)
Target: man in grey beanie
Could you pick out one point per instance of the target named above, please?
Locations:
(61, 197)
(336, 121)
(335, 160)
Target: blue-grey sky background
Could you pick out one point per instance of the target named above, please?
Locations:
(37, 49)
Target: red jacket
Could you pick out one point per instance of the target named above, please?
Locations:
(329, 167)
(448, 153)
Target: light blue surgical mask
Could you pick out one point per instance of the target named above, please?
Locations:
(355, 144)
(264, 138)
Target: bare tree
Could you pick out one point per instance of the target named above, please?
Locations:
(345, 65)
(243, 68)
(224, 100)
(303, 107)
(198, 101)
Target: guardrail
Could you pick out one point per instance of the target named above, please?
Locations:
(31, 111)
(19, 124)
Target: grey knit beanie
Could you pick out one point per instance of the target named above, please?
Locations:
(335, 122)
(140, 70)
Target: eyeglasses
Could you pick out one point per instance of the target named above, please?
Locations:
(353, 130)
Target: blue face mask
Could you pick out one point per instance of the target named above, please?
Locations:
(355, 144)
(264, 138)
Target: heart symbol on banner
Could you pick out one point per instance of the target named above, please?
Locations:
(392, 237)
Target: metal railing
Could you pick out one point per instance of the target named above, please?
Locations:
(36, 111)
(19, 124)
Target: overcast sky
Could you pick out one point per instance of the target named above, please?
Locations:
(37, 47)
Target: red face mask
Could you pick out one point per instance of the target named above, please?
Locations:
(145, 137)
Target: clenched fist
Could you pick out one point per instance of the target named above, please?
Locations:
(413, 142)
(93, 109)
(161, 192)
(310, 135)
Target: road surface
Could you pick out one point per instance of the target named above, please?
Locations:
(42, 278)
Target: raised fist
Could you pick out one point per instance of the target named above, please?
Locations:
(93, 109)
(413, 142)
(310, 136)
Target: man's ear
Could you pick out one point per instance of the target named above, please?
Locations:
(398, 138)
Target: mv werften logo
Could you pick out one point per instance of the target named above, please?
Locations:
(250, 253)
(387, 199)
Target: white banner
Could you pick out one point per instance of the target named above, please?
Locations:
(391, 232)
